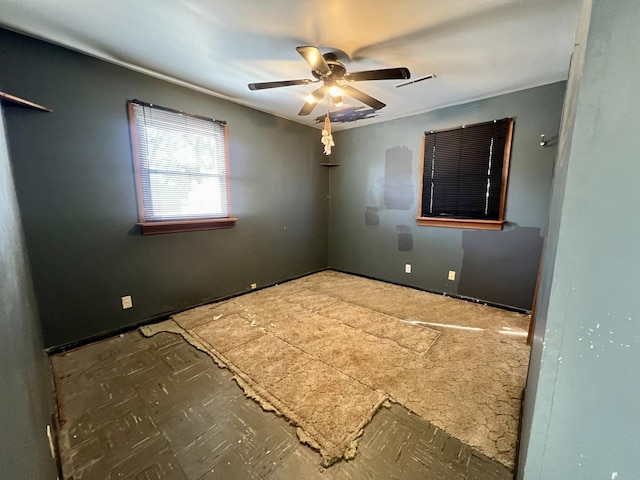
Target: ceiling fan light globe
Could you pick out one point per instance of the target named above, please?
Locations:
(335, 91)
(311, 98)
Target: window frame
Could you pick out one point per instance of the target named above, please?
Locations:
(468, 223)
(151, 227)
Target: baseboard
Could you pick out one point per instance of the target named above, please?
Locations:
(54, 417)
(437, 292)
(164, 316)
(519, 437)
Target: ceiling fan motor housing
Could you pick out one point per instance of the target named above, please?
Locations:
(337, 69)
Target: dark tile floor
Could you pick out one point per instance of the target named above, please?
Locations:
(157, 408)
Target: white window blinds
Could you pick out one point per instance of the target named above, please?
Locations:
(181, 164)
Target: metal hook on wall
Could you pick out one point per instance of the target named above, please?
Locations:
(547, 143)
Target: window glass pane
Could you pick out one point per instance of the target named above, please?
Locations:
(181, 151)
(179, 196)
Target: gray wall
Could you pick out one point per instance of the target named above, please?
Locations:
(586, 382)
(24, 376)
(374, 198)
(75, 189)
(551, 240)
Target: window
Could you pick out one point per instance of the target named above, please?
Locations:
(181, 168)
(464, 176)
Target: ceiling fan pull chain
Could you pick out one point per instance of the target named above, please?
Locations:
(327, 138)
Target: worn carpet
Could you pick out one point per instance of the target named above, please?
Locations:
(327, 350)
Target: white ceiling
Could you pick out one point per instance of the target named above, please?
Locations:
(477, 48)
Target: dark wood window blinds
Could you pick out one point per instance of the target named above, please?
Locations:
(465, 175)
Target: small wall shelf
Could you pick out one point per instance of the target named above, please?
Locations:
(7, 99)
(330, 164)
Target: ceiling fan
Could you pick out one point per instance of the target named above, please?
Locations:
(330, 72)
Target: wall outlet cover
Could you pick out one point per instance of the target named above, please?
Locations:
(126, 302)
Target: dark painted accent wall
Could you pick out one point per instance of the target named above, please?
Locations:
(24, 376)
(373, 233)
(495, 251)
(75, 189)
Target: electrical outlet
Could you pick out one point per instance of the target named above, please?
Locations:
(126, 302)
(253, 286)
(407, 268)
(452, 274)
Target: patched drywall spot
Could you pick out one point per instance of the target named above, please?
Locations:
(398, 187)
(510, 258)
(349, 114)
(405, 238)
(371, 216)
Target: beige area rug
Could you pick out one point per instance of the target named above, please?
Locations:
(327, 350)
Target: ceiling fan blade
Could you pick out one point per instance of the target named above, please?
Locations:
(401, 73)
(314, 58)
(314, 97)
(280, 83)
(363, 97)
(307, 108)
(416, 80)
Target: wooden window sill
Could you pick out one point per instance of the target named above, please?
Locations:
(460, 223)
(154, 228)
